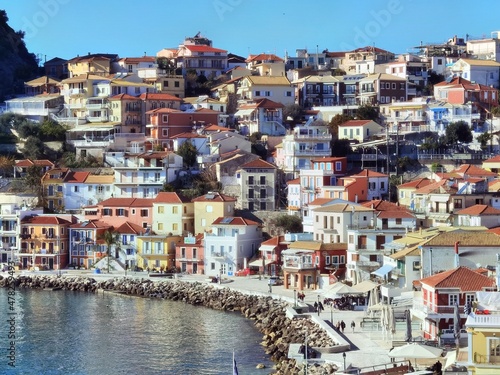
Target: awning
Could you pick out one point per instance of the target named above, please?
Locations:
(383, 271)
(244, 112)
(258, 262)
(365, 286)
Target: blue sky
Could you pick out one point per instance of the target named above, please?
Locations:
(66, 28)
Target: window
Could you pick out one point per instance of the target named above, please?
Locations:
(164, 118)
(165, 83)
(161, 209)
(144, 213)
(120, 212)
(160, 226)
(262, 180)
(288, 94)
(263, 193)
(469, 298)
(176, 84)
(133, 211)
(457, 203)
(399, 221)
(393, 86)
(250, 180)
(338, 166)
(351, 238)
(175, 210)
(452, 299)
(257, 93)
(209, 208)
(107, 212)
(75, 189)
(175, 227)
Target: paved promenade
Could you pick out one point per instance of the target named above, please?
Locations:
(369, 345)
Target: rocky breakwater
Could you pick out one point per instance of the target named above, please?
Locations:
(279, 331)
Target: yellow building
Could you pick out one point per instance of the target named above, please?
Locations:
(483, 329)
(157, 252)
(209, 207)
(173, 213)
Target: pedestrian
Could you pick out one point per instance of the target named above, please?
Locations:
(315, 306)
(338, 326)
(353, 325)
(342, 326)
(320, 306)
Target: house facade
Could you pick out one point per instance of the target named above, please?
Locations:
(258, 180)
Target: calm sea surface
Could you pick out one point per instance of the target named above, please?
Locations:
(76, 333)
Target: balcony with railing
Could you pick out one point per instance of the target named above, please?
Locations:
(297, 263)
(312, 152)
(97, 118)
(72, 92)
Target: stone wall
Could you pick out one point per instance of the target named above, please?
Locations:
(269, 315)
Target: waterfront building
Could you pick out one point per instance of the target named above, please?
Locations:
(258, 181)
(209, 207)
(156, 252)
(190, 254)
(86, 244)
(231, 242)
(172, 213)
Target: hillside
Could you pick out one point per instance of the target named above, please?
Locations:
(17, 65)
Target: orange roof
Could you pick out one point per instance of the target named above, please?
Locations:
(258, 163)
(274, 241)
(129, 228)
(470, 170)
(462, 278)
(328, 159)
(202, 48)
(29, 163)
(170, 197)
(76, 177)
(45, 220)
(494, 159)
(188, 135)
(264, 56)
(495, 230)
(355, 123)
(369, 173)
(434, 186)
(123, 97)
(421, 182)
(294, 182)
(127, 202)
(159, 96)
(479, 210)
(214, 128)
(135, 60)
(320, 201)
(234, 220)
(95, 224)
(214, 197)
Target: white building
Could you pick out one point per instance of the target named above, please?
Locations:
(232, 242)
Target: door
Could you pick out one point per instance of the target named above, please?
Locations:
(195, 268)
(51, 263)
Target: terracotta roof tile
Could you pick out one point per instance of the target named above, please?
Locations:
(479, 210)
(203, 48)
(421, 182)
(234, 220)
(214, 197)
(466, 238)
(130, 228)
(462, 278)
(258, 163)
(46, 220)
(355, 123)
(170, 197)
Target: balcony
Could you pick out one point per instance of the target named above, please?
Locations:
(73, 92)
(323, 136)
(97, 118)
(312, 152)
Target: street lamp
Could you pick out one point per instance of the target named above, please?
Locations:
(343, 355)
(319, 310)
(305, 368)
(295, 297)
(331, 313)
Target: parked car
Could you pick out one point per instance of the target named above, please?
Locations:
(275, 280)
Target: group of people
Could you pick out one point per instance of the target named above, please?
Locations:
(301, 296)
(341, 326)
(318, 307)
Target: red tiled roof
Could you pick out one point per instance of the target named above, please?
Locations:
(320, 201)
(421, 182)
(381, 205)
(479, 210)
(274, 241)
(329, 159)
(369, 173)
(158, 96)
(130, 228)
(29, 163)
(264, 56)
(462, 278)
(214, 128)
(294, 182)
(188, 135)
(76, 177)
(127, 202)
(434, 186)
(214, 197)
(170, 197)
(202, 48)
(258, 163)
(45, 220)
(472, 170)
(235, 220)
(494, 159)
(135, 60)
(395, 215)
(355, 123)
(91, 224)
(123, 97)
(495, 230)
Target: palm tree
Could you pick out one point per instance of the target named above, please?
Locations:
(110, 238)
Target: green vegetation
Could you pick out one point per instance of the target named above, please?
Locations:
(110, 238)
(367, 112)
(188, 152)
(457, 132)
(288, 223)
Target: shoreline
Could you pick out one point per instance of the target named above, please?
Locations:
(272, 316)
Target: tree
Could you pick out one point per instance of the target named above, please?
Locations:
(338, 72)
(458, 132)
(188, 152)
(367, 112)
(484, 139)
(33, 181)
(110, 238)
(288, 223)
(341, 147)
(52, 131)
(6, 164)
(292, 113)
(33, 148)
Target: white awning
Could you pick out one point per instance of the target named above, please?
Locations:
(258, 262)
(383, 271)
(365, 286)
(244, 112)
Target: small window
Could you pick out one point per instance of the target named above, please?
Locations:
(144, 213)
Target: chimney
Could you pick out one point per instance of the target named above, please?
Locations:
(457, 259)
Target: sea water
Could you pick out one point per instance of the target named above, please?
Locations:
(62, 332)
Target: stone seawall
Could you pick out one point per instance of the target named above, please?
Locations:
(269, 315)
